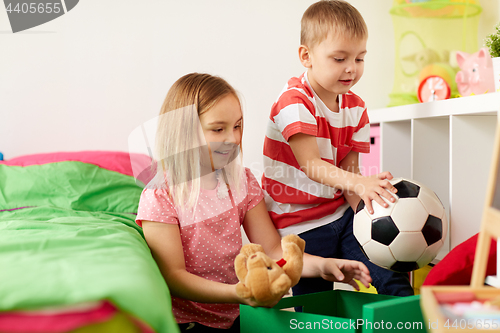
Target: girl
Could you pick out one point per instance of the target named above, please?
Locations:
(192, 212)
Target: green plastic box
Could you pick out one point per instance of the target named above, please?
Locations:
(336, 310)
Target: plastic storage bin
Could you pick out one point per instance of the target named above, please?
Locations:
(426, 33)
(346, 311)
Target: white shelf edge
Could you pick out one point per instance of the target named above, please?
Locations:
(493, 280)
(486, 104)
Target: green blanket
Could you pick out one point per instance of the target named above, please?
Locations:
(77, 241)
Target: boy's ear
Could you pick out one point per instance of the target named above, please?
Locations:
(305, 56)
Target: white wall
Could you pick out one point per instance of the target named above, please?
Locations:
(88, 78)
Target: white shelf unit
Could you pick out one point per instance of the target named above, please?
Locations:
(446, 145)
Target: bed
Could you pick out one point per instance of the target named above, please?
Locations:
(72, 258)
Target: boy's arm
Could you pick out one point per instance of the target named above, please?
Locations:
(260, 229)
(351, 163)
(306, 152)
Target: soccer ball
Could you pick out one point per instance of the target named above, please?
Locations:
(408, 234)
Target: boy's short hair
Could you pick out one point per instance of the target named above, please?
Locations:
(335, 16)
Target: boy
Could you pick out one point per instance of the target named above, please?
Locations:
(317, 129)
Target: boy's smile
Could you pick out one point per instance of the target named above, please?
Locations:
(334, 66)
(346, 82)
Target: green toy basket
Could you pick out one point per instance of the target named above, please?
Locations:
(428, 32)
(336, 310)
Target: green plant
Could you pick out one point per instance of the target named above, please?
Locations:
(492, 42)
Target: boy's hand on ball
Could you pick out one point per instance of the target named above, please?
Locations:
(375, 188)
(346, 271)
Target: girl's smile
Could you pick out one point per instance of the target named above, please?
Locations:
(226, 152)
(222, 128)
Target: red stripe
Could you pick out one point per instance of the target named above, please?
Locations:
(338, 136)
(363, 120)
(287, 219)
(352, 101)
(299, 127)
(282, 152)
(361, 147)
(322, 129)
(291, 97)
(284, 193)
(300, 83)
(341, 139)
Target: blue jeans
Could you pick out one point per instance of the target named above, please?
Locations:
(336, 240)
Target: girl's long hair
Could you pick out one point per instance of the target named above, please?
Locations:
(180, 139)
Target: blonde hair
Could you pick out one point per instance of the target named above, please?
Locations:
(331, 16)
(180, 139)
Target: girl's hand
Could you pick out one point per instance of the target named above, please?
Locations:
(374, 188)
(269, 304)
(253, 302)
(340, 270)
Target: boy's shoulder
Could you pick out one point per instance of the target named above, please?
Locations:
(296, 91)
(298, 85)
(296, 81)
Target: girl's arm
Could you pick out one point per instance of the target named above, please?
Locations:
(164, 240)
(260, 229)
(165, 243)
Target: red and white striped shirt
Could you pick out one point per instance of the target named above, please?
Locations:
(295, 202)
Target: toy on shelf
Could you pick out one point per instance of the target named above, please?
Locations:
(436, 82)
(425, 33)
(425, 57)
(492, 42)
(406, 235)
(476, 74)
(263, 279)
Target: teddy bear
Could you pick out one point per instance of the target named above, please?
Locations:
(264, 279)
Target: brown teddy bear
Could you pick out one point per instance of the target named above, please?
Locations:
(264, 279)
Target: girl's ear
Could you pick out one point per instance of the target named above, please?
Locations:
(304, 56)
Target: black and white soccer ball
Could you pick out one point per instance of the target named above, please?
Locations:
(408, 234)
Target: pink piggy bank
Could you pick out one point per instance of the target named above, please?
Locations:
(476, 73)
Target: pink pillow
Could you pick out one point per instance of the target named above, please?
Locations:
(455, 268)
(132, 164)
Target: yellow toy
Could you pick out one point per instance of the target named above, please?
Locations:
(263, 279)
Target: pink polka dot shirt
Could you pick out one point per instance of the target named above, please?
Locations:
(211, 239)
